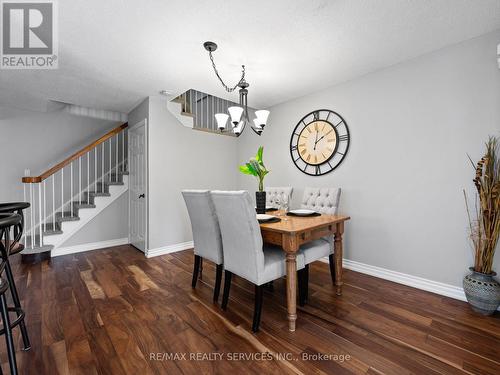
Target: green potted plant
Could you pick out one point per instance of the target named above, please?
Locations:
(480, 287)
(255, 167)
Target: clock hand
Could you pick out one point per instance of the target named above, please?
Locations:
(315, 140)
(322, 137)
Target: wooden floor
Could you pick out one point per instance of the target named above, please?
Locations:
(115, 312)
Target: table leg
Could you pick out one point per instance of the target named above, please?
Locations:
(338, 257)
(291, 289)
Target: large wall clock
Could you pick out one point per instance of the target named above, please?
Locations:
(319, 142)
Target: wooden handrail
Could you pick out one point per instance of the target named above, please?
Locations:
(76, 155)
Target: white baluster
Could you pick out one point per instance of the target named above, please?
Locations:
(116, 159)
(25, 227)
(62, 192)
(32, 218)
(80, 178)
(71, 184)
(95, 169)
(109, 171)
(88, 174)
(40, 213)
(123, 150)
(102, 170)
(53, 202)
(44, 206)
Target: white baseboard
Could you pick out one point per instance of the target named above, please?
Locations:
(88, 246)
(169, 249)
(405, 279)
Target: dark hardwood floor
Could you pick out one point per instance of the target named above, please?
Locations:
(115, 312)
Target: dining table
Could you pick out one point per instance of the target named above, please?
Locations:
(293, 231)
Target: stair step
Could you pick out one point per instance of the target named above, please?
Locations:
(79, 205)
(66, 217)
(38, 249)
(99, 194)
(51, 230)
(115, 183)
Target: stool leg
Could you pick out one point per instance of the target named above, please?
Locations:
(17, 304)
(11, 352)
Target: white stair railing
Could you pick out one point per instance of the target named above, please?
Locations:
(52, 195)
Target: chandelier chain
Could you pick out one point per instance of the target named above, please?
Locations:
(228, 89)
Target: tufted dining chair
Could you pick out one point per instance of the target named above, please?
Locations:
(245, 254)
(206, 234)
(273, 192)
(324, 201)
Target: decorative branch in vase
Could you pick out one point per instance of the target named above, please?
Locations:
(481, 289)
(255, 167)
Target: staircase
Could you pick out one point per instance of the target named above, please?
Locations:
(195, 109)
(69, 195)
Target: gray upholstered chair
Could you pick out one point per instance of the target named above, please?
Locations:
(206, 234)
(244, 252)
(273, 192)
(325, 201)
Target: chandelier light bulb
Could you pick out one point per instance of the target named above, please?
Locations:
(235, 113)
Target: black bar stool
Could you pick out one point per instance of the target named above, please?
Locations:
(7, 221)
(11, 248)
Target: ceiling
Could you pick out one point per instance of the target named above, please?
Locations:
(114, 53)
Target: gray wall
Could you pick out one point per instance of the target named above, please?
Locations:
(412, 126)
(181, 158)
(37, 141)
(110, 224)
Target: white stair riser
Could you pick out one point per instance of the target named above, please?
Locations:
(69, 228)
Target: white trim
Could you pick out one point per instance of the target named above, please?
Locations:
(169, 249)
(405, 279)
(146, 161)
(88, 246)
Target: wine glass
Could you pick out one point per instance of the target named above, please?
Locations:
(278, 203)
(285, 202)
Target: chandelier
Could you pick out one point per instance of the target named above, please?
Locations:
(238, 114)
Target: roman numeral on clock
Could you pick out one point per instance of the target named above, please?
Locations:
(343, 138)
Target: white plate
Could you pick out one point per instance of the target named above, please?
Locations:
(303, 212)
(265, 217)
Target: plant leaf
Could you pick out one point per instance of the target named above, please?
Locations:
(259, 155)
(244, 169)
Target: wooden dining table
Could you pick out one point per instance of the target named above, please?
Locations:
(293, 231)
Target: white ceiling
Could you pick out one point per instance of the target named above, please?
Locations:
(113, 53)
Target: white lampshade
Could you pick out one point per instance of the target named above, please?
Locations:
(221, 120)
(235, 113)
(262, 116)
(237, 129)
(257, 123)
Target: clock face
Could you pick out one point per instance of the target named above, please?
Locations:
(319, 142)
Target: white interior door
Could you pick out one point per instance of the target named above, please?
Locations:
(137, 157)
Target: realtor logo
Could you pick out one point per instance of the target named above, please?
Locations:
(29, 34)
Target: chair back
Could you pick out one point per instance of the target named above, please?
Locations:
(273, 192)
(323, 200)
(204, 224)
(241, 237)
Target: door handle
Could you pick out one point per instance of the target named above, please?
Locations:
(142, 196)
